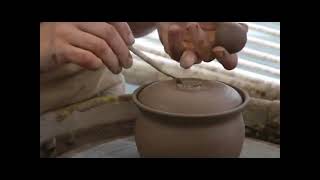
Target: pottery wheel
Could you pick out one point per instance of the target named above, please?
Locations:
(126, 148)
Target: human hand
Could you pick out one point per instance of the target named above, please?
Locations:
(191, 42)
(87, 44)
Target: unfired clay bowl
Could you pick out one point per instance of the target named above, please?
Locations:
(199, 118)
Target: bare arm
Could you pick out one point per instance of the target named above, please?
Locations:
(140, 29)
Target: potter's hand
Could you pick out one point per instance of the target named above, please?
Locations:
(87, 44)
(191, 43)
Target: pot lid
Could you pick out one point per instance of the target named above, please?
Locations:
(192, 96)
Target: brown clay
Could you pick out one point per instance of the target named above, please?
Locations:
(232, 36)
(198, 118)
(191, 96)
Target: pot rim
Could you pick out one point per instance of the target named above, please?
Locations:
(244, 95)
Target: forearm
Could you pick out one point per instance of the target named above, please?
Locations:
(140, 29)
(47, 59)
(44, 48)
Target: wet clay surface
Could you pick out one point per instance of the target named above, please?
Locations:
(192, 96)
(191, 118)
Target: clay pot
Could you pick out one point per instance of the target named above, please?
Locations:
(196, 118)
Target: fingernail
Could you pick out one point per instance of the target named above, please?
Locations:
(131, 39)
(219, 54)
(185, 65)
(117, 71)
(129, 62)
(187, 59)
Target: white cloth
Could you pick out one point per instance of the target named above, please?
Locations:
(71, 83)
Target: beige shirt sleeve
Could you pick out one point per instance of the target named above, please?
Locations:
(70, 84)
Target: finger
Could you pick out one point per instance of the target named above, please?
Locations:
(83, 58)
(198, 61)
(200, 41)
(113, 39)
(188, 58)
(208, 26)
(210, 29)
(163, 36)
(97, 46)
(124, 30)
(228, 61)
(175, 38)
(211, 59)
(130, 61)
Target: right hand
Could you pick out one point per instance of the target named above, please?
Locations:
(193, 42)
(87, 44)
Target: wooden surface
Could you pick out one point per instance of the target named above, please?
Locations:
(126, 148)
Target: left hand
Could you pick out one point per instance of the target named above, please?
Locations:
(191, 43)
